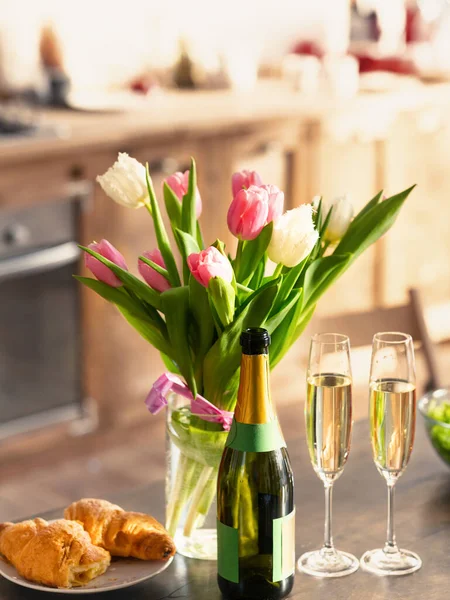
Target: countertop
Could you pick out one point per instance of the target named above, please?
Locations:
(175, 114)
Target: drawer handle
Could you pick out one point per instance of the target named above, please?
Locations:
(268, 147)
(39, 261)
(77, 172)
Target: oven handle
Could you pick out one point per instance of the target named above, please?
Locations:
(39, 261)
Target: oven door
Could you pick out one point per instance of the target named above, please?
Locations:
(40, 346)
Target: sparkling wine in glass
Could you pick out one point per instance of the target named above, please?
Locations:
(328, 416)
(392, 427)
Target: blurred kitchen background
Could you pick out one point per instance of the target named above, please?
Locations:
(329, 97)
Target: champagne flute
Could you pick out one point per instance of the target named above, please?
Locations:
(328, 416)
(392, 426)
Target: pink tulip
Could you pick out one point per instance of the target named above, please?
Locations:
(101, 271)
(276, 202)
(154, 279)
(248, 213)
(179, 183)
(243, 180)
(210, 263)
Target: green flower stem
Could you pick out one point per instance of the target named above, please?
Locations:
(209, 493)
(238, 259)
(277, 271)
(244, 288)
(197, 496)
(188, 471)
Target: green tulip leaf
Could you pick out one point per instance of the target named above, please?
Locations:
(114, 295)
(277, 318)
(320, 274)
(279, 337)
(253, 253)
(173, 206)
(155, 266)
(129, 281)
(152, 327)
(223, 297)
(161, 234)
(289, 282)
(258, 274)
(200, 241)
(223, 359)
(375, 200)
(317, 215)
(323, 228)
(175, 304)
(188, 220)
(268, 284)
(169, 364)
(187, 245)
(288, 332)
(203, 331)
(374, 222)
(148, 331)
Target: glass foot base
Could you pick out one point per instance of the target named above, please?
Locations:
(327, 563)
(379, 562)
(202, 544)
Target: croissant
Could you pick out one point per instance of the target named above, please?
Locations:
(122, 533)
(58, 554)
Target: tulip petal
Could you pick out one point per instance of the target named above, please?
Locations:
(155, 280)
(248, 212)
(293, 237)
(254, 220)
(243, 180)
(125, 182)
(101, 271)
(210, 263)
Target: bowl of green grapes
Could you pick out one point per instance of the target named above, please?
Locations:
(435, 409)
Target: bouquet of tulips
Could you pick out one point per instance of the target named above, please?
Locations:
(194, 308)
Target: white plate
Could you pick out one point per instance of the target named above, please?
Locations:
(123, 572)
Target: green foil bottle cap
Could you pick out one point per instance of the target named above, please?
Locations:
(255, 340)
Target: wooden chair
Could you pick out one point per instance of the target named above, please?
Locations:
(409, 318)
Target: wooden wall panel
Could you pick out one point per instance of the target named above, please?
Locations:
(340, 168)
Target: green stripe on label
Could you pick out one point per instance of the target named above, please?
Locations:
(283, 547)
(227, 552)
(263, 437)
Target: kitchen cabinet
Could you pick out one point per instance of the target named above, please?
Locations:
(330, 167)
(418, 247)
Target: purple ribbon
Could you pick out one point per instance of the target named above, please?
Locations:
(168, 382)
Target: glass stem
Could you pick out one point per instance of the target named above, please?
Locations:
(391, 545)
(328, 540)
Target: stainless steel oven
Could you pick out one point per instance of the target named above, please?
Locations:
(40, 321)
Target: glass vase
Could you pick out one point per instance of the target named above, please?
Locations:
(194, 450)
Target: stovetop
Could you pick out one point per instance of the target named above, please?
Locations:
(18, 122)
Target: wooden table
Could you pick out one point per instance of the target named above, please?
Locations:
(422, 524)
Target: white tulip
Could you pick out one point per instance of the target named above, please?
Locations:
(293, 237)
(125, 182)
(340, 217)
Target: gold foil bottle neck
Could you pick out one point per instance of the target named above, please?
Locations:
(254, 405)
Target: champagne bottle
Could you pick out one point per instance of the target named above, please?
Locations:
(255, 489)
